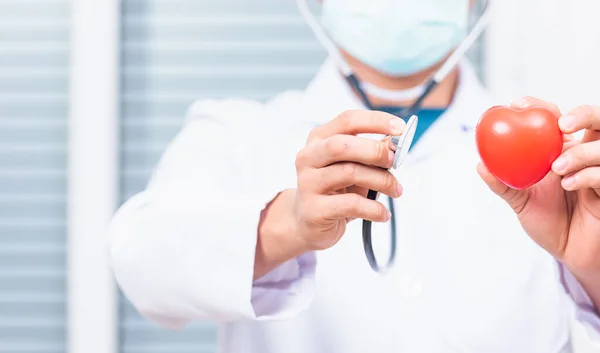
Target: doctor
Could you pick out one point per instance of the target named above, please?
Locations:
(249, 220)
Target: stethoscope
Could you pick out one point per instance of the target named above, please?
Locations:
(399, 144)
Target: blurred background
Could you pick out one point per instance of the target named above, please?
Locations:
(91, 91)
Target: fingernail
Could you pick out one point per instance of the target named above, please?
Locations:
(520, 103)
(560, 164)
(389, 215)
(397, 126)
(391, 156)
(566, 122)
(400, 190)
(568, 182)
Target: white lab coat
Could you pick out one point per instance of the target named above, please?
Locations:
(467, 279)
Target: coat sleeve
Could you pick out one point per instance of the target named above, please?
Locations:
(585, 311)
(183, 249)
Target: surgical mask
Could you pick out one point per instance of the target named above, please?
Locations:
(396, 37)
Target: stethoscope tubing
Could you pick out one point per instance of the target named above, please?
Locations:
(368, 241)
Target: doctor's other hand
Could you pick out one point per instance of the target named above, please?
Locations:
(562, 212)
(335, 170)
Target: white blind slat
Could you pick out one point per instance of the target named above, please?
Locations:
(33, 132)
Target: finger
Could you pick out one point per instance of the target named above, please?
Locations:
(360, 191)
(583, 179)
(568, 138)
(365, 192)
(526, 102)
(570, 143)
(354, 122)
(343, 175)
(584, 117)
(353, 206)
(577, 157)
(346, 148)
(517, 199)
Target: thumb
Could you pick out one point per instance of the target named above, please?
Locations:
(517, 199)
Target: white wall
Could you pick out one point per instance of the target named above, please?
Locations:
(545, 48)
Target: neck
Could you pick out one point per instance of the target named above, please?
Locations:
(440, 97)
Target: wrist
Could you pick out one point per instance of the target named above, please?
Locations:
(278, 239)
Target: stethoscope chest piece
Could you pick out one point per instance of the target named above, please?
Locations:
(401, 144)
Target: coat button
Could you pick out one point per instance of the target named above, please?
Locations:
(409, 286)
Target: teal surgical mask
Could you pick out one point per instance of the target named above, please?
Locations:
(396, 37)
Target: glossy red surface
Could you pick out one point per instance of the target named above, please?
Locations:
(518, 146)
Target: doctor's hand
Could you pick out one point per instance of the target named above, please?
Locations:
(335, 170)
(561, 213)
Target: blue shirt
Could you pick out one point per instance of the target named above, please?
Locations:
(426, 116)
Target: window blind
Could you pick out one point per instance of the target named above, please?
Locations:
(177, 51)
(33, 138)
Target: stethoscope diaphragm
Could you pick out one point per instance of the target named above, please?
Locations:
(401, 144)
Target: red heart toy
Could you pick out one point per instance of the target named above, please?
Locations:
(518, 146)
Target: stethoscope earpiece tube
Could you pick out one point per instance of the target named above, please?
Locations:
(416, 106)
